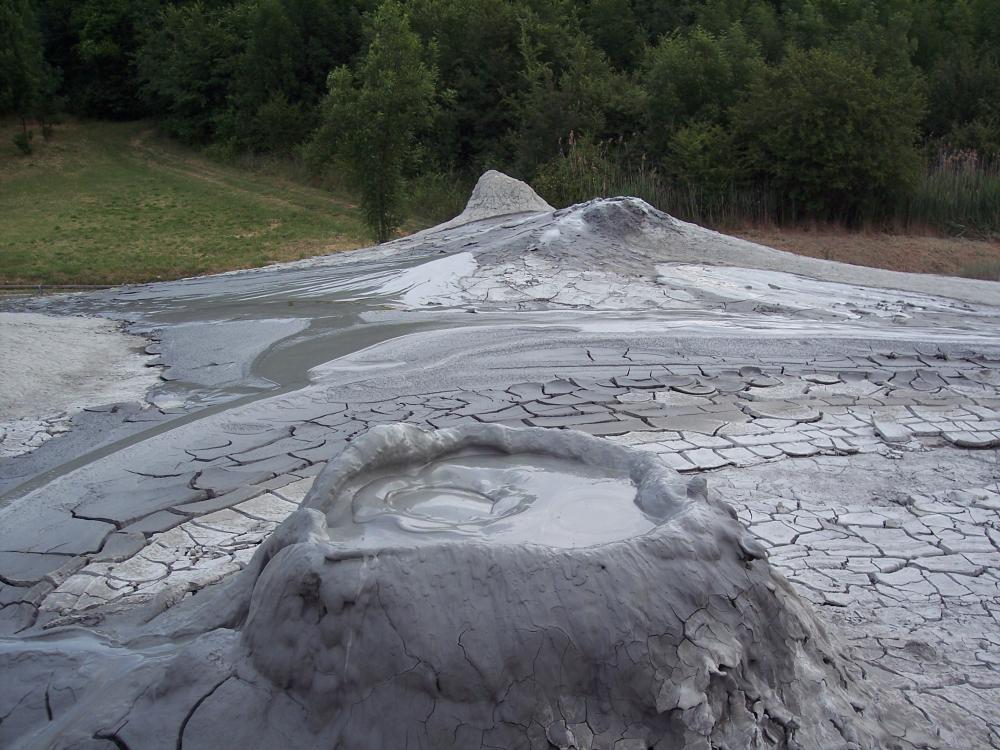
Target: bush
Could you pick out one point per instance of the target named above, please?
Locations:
(279, 126)
(964, 98)
(435, 197)
(980, 135)
(694, 78)
(23, 141)
(583, 172)
(587, 170)
(830, 135)
(702, 154)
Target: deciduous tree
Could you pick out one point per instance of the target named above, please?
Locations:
(26, 81)
(371, 117)
(830, 134)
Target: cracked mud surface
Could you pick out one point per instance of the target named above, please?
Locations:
(855, 430)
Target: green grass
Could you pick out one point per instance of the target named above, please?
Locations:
(110, 203)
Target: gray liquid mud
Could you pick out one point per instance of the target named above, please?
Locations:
(491, 497)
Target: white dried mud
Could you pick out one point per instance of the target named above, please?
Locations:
(51, 367)
(621, 253)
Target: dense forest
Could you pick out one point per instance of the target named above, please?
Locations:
(847, 110)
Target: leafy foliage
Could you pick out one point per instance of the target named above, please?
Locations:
(27, 83)
(586, 96)
(696, 77)
(371, 117)
(186, 68)
(688, 89)
(831, 135)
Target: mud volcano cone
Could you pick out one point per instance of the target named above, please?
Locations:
(505, 588)
(496, 194)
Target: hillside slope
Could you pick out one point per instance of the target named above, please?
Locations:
(110, 203)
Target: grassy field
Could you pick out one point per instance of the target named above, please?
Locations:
(110, 203)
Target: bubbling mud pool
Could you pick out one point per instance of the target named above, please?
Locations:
(516, 498)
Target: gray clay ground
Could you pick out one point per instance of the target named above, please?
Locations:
(850, 416)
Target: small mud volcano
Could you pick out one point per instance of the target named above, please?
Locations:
(490, 587)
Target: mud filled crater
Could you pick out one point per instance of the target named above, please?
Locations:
(521, 498)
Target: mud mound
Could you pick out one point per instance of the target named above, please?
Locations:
(417, 599)
(496, 194)
(626, 235)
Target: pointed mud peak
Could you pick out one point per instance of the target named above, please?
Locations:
(496, 194)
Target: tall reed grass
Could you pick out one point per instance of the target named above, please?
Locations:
(957, 194)
(590, 170)
(434, 197)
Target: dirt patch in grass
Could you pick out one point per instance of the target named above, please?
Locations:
(948, 256)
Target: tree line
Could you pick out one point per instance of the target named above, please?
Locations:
(835, 106)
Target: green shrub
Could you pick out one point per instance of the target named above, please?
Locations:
(835, 139)
(371, 117)
(587, 170)
(694, 78)
(435, 197)
(23, 141)
(702, 154)
(279, 126)
(584, 171)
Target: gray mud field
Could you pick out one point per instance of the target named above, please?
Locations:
(587, 478)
